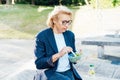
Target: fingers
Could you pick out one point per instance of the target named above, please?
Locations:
(68, 49)
(65, 50)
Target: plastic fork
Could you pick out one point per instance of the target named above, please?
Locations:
(73, 53)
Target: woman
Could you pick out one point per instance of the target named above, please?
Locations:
(53, 46)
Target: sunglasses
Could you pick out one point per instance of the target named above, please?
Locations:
(65, 22)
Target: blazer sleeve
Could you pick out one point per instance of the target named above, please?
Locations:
(42, 61)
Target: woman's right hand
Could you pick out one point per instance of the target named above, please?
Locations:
(65, 50)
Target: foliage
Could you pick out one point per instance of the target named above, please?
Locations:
(52, 2)
(105, 3)
(116, 2)
(66, 2)
(82, 2)
(46, 2)
(3, 1)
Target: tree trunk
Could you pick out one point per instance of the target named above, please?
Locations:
(33, 2)
(13, 2)
(60, 2)
(8, 2)
(86, 1)
(0, 1)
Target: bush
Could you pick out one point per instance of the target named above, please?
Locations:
(102, 3)
(66, 2)
(52, 2)
(3, 1)
(116, 2)
(105, 3)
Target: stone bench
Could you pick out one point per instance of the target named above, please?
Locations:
(101, 42)
(40, 75)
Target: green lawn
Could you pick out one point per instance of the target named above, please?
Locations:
(23, 21)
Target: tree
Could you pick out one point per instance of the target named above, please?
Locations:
(60, 2)
(33, 2)
(0, 1)
(66, 2)
(17, 1)
(87, 2)
(13, 1)
(114, 2)
(8, 2)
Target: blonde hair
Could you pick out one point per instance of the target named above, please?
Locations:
(56, 11)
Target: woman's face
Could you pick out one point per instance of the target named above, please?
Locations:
(62, 23)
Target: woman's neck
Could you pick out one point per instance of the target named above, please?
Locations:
(56, 31)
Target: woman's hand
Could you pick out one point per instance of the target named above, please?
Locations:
(64, 51)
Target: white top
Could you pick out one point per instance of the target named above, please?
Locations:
(63, 63)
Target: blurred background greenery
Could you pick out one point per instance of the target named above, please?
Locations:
(23, 19)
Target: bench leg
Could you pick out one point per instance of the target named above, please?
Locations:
(100, 51)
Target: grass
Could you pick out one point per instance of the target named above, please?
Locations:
(23, 21)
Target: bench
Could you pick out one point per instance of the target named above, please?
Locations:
(40, 75)
(101, 41)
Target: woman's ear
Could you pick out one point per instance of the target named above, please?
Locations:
(54, 20)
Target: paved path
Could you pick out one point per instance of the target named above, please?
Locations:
(16, 59)
(17, 62)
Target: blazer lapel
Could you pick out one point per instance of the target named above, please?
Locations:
(66, 39)
(51, 40)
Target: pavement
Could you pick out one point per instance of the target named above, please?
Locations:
(17, 61)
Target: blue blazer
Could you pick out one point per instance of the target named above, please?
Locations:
(46, 47)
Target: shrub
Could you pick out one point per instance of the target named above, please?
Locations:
(101, 3)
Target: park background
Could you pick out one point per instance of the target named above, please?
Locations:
(21, 20)
(24, 18)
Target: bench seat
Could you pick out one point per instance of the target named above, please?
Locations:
(101, 41)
